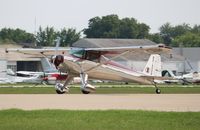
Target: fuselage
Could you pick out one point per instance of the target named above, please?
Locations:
(108, 71)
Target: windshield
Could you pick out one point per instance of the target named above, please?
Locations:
(77, 52)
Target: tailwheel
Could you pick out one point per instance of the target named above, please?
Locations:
(85, 91)
(158, 91)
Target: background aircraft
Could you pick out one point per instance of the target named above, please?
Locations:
(35, 77)
(193, 77)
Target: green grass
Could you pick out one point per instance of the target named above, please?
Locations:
(103, 89)
(98, 120)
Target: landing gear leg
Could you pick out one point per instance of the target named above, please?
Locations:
(85, 87)
(158, 91)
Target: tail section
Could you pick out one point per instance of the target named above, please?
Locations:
(153, 66)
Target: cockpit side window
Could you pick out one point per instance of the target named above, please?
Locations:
(165, 73)
(93, 55)
(88, 55)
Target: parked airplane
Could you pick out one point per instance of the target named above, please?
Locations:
(37, 77)
(193, 77)
(24, 77)
(91, 62)
(5, 80)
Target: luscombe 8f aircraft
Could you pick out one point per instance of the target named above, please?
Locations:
(92, 63)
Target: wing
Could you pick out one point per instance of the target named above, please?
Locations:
(96, 53)
(38, 52)
(86, 53)
(150, 48)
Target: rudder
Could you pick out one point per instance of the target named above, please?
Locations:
(153, 66)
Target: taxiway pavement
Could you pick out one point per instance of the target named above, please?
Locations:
(155, 102)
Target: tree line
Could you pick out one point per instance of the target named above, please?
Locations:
(110, 26)
(44, 37)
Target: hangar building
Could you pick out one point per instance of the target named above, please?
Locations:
(18, 61)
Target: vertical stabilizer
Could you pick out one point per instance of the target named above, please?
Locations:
(153, 66)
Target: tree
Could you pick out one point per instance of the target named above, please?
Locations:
(105, 27)
(41, 37)
(93, 30)
(16, 36)
(180, 30)
(128, 28)
(165, 32)
(169, 32)
(111, 26)
(46, 37)
(156, 37)
(196, 29)
(143, 31)
(187, 40)
(68, 36)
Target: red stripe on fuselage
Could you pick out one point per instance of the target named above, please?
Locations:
(59, 76)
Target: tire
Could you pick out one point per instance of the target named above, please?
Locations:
(85, 92)
(59, 92)
(158, 91)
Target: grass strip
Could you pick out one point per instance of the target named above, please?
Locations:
(122, 89)
(15, 119)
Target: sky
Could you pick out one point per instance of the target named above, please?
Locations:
(30, 14)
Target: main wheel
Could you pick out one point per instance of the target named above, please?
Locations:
(158, 91)
(60, 88)
(85, 92)
(59, 92)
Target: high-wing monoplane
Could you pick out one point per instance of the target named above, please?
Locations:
(93, 63)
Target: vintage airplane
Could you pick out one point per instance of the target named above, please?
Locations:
(92, 63)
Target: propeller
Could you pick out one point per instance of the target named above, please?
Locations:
(58, 60)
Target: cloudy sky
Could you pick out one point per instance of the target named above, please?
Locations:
(76, 13)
